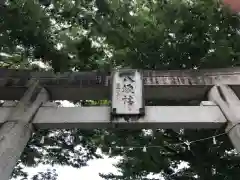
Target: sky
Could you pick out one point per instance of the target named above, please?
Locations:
(90, 172)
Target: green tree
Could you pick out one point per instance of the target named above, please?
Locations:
(86, 34)
(173, 35)
(48, 175)
(32, 31)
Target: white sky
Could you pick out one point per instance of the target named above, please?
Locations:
(90, 172)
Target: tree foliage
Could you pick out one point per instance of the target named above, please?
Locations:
(99, 34)
(174, 35)
(48, 175)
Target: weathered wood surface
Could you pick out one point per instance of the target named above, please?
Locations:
(167, 85)
(165, 117)
(14, 137)
(16, 128)
(193, 117)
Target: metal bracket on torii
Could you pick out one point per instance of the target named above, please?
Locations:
(17, 128)
(229, 103)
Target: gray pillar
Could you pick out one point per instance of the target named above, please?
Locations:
(17, 129)
(229, 103)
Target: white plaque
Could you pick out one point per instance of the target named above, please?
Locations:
(127, 92)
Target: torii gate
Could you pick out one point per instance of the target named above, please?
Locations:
(217, 90)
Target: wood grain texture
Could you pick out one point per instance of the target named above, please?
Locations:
(166, 85)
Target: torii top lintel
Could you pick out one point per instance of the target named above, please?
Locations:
(167, 85)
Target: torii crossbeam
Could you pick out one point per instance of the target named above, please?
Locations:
(217, 90)
(165, 85)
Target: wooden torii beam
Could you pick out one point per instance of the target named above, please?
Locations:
(163, 117)
(166, 85)
(219, 87)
